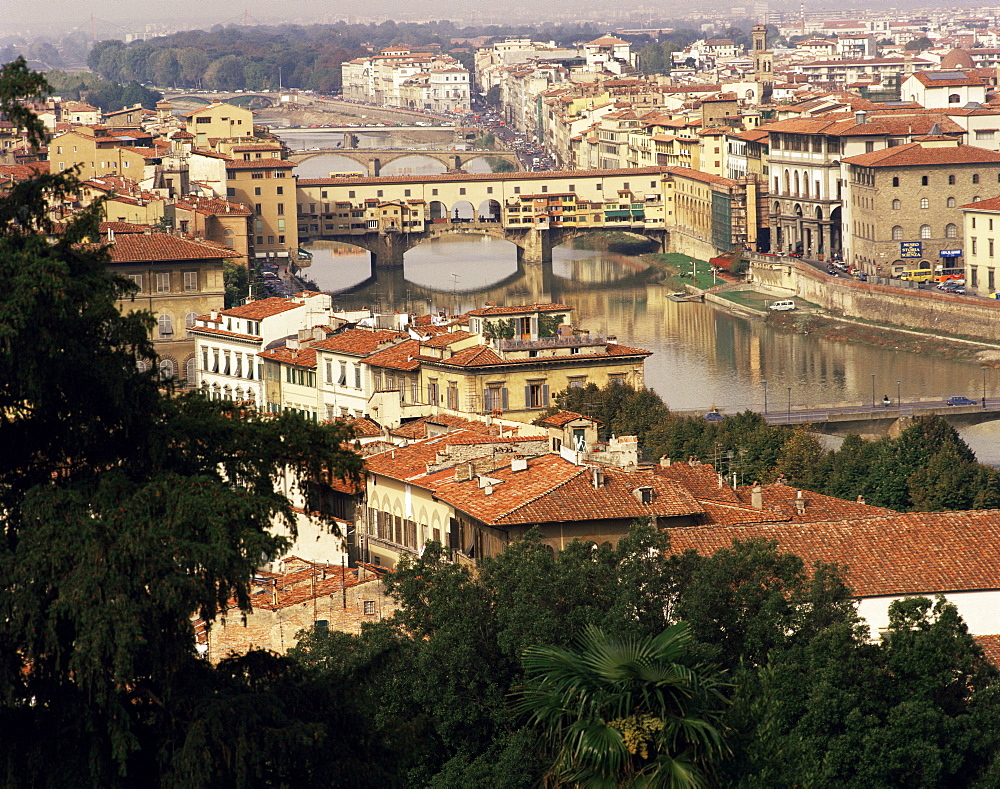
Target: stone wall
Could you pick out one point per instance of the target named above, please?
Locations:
(928, 310)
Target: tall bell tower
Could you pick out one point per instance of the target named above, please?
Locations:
(763, 61)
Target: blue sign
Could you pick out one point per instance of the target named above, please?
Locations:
(911, 249)
(950, 253)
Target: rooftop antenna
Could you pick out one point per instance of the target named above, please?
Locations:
(802, 14)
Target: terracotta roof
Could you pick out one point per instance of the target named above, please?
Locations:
(408, 463)
(297, 357)
(916, 155)
(403, 356)
(560, 418)
(141, 248)
(365, 427)
(817, 506)
(461, 177)
(211, 206)
(990, 204)
(990, 644)
(944, 79)
(900, 554)
(359, 342)
(263, 308)
(417, 428)
(552, 489)
(907, 123)
(519, 309)
(259, 164)
(446, 339)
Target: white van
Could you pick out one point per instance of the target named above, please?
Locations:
(781, 306)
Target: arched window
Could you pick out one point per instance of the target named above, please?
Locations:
(976, 198)
(923, 180)
(142, 366)
(897, 233)
(166, 326)
(896, 205)
(797, 192)
(925, 203)
(951, 180)
(190, 371)
(805, 184)
(895, 180)
(189, 320)
(925, 231)
(951, 231)
(950, 202)
(975, 178)
(954, 98)
(167, 370)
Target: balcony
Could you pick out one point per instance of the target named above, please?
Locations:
(575, 341)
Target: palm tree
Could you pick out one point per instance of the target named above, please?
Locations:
(625, 712)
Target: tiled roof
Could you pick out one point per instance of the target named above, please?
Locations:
(907, 123)
(404, 356)
(136, 248)
(942, 79)
(461, 177)
(519, 309)
(358, 342)
(264, 308)
(211, 206)
(407, 463)
(560, 418)
(899, 554)
(552, 489)
(297, 357)
(446, 339)
(259, 164)
(418, 428)
(990, 204)
(817, 507)
(364, 427)
(916, 155)
(990, 644)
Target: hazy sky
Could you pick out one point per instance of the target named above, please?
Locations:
(59, 15)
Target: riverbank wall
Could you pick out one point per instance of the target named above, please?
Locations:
(926, 310)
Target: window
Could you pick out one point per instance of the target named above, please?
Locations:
(190, 371)
(369, 607)
(923, 180)
(536, 395)
(189, 320)
(896, 205)
(925, 203)
(190, 280)
(869, 147)
(975, 247)
(357, 376)
(166, 326)
(256, 191)
(342, 380)
(950, 202)
(925, 231)
(495, 398)
(954, 98)
(985, 134)
(990, 243)
(137, 279)
(281, 190)
(517, 190)
(951, 231)
(951, 180)
(162, 281)
(897, 233)
(432, 392)
(167, 369)
(975, 178)
(281, 209)
(257, 208)
(453, 396)
(895, 180)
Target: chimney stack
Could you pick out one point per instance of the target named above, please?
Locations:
(664, 462)
(757, 496)
(800, 503)
(859, 117)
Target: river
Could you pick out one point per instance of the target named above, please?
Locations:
(702, 355)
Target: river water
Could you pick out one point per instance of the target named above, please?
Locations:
(702, 355)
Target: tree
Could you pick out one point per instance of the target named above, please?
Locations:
(622, 711)
(919, 44)
(125, 510)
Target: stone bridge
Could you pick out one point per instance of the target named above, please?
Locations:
(374, 159)
(534, 245)
(245, 99)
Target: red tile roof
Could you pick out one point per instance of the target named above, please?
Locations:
(403, 356)
(211, 206)
(553, 490)
(446, 178)
(259, 164)
(136, 248)
(519, 309)
(916, 155)
(418, 428)
(297, 357)
(364, 427)
(446, 339)
(560, 418)
(264, 308)
(359, 342)
(899, 554)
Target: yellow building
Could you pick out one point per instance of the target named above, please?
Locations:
(125, 200)
(178, 280)
(221, 221)
(97, 150)
(267, 185)
(218, 121)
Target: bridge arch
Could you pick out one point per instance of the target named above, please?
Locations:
(406, 165)
(462, 211)
(489, 210)
(438, 210)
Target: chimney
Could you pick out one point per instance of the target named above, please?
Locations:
(693, 460)
(292, 343)
(859, 117)
(519, 464)
(664, 462)
(861, 499)
(597, 477)
(757, 496)
(800, 503)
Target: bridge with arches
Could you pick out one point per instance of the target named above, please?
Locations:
(374, 159)
(535, 211)
(247, 99)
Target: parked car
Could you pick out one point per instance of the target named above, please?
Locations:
(781, 306)
(714, 416)
(960, 400)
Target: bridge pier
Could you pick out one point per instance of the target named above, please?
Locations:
(375, 168)
(387, 250)
(534, 246)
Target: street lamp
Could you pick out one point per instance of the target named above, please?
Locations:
(788, 418)
(899, 400)
(873, 390)
(765, 397)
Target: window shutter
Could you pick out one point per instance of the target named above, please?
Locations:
(527, 397)
(545, 396)
(453, 538)
(534, 326)
(504, 399)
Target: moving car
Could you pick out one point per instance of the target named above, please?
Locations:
(960, 400)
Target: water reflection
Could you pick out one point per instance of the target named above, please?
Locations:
(702, 356)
